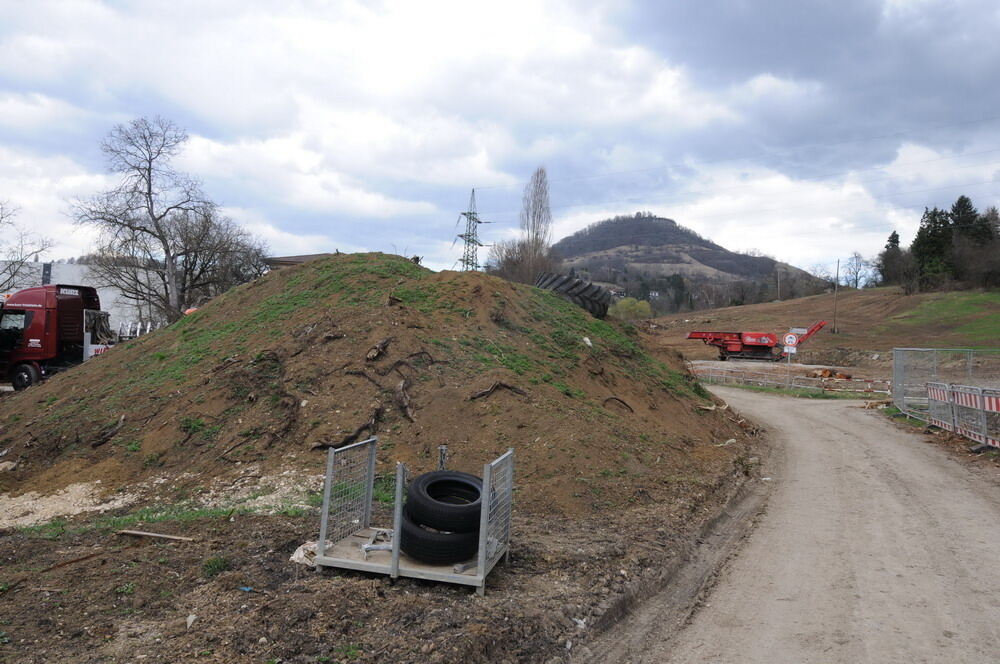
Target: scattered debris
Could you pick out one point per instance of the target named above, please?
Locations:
(190, 620)
(371, 426)
(378, 350)
(109, 434)
(496, 386)
(621, 401)
(403, 400)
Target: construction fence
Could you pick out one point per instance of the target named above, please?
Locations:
(914, 368)
(787, 380)
(970, 411)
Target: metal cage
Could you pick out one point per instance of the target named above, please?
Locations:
(349, 541)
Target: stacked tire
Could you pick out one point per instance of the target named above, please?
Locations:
(591, 297)
(441, 517)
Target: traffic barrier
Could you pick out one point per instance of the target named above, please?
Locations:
(967, 410)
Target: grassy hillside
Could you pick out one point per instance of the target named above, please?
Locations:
(275, 369)
(870, 321)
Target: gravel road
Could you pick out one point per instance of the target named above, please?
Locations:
(875, 546)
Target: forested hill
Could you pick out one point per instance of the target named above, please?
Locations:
(629, 230)
(676, 269)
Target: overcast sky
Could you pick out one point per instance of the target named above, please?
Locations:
(806, 130)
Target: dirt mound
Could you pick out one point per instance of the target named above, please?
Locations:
(328, 352)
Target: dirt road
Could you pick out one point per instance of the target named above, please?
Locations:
(875, 547)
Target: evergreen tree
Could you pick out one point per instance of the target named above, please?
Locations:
(889, 261)
(932, 245)
(969, 224)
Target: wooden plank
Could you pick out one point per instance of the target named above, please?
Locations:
(143, 533)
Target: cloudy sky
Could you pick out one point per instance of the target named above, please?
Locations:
(805, 129)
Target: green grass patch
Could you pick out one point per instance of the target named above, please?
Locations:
(214, 566)
(802, 393)
(974, 316)
(899, 416)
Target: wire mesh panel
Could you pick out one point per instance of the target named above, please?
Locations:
(500, 495)
(939, 406)
(967, 408)
(347, 491)
(913, 368)
(991, 408)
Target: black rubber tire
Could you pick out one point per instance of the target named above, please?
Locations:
(434, 547)
(585, 295)
(24, 376)
(446, 500)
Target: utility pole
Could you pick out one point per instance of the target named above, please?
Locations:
(470, 256)
(836, 286)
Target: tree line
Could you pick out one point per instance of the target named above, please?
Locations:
(953, 248)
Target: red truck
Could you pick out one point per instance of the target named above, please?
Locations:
(47, 329)
(752, 345)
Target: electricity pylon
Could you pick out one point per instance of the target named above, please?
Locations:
(470, 255)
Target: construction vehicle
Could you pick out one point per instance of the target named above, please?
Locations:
(48, 329)
(754, 345)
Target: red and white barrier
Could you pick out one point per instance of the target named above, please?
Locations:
(965, 410)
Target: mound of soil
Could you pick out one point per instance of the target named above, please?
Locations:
(328, 352)
(620, 459)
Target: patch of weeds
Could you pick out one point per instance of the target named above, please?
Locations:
(899, 416)
(192, 425)
(571, 392)
(126, 589)
(4, 638)
(52, 530)
(4, 587)
(384, 490)
(314, 498)
(214, 566)
(152, 461)
(293, 511)
(348, 651)
(51, 400)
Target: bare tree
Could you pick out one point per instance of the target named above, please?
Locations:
(162, 242)
(856, 271)
(524, 258)
(17, 249)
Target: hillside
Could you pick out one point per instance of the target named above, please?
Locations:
(675, 268)
(215, 427)
(870, 322)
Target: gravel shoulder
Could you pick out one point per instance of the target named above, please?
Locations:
(876, 546)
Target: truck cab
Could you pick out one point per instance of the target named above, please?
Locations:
(47, 329)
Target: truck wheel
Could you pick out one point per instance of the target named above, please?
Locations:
(446, 500)
(24, 376)
(435, 547)
(588, 296)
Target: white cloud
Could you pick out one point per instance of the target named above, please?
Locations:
(33, 111)
(285, 170)
(41, 187)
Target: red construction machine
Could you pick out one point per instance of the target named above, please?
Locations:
(46, 329)
(756, 345)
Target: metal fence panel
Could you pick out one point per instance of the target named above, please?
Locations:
(500, 494)
(914, 368)
(967, 410)
(350, 475)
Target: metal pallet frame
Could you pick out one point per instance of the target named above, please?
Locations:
(346, 514)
